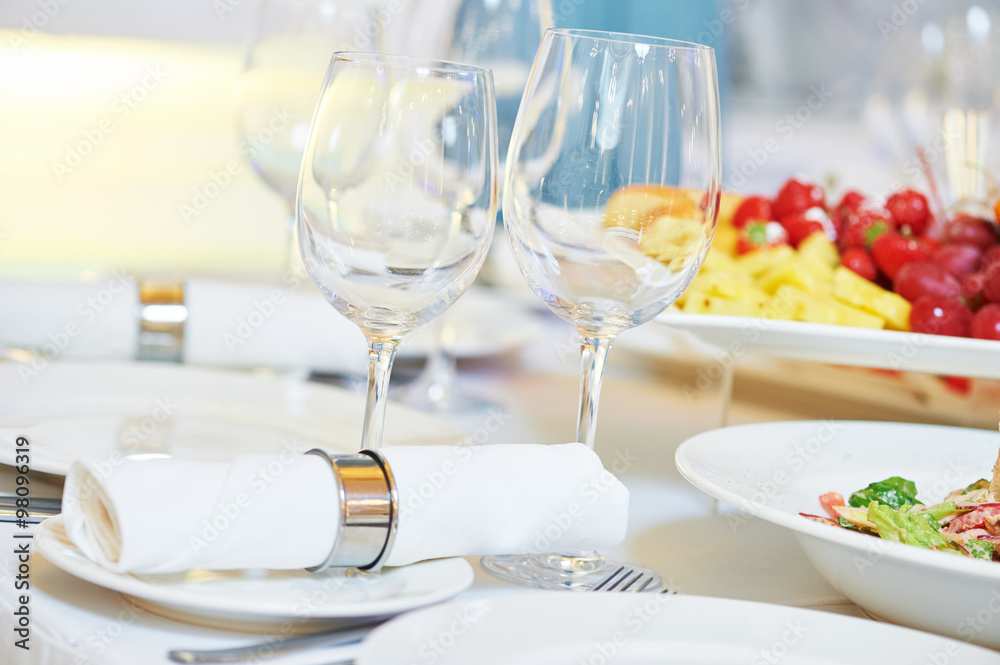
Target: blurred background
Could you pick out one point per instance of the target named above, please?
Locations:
(133, 137)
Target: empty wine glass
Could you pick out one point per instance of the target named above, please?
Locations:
(610, 203)
(287, 55)
(502, 35)
(397, 197)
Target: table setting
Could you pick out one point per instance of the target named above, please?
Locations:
(200, 467)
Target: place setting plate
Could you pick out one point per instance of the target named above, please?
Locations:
(258, 600)
(97, 410)
(647, 629)
(775, 471)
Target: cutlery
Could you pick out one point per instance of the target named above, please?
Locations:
(340, 636)
(38, 509)
(626, 579)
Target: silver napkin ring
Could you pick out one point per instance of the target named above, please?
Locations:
(369, 510)
(162, 314)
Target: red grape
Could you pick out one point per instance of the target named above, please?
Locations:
(990, 262)
(753, 208)
(796, 196)
(972, 289)
(959, 260)
(923, 278)
(970, 230)
(986, 322)
(909, 209)
(991, 286)
(940, 316)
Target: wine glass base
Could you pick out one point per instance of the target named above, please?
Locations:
(570, 573)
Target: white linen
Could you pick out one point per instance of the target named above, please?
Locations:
(504, 499)
(232, 324)
(169, 515)
(262, 511)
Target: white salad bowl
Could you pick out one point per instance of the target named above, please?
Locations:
(775, 471)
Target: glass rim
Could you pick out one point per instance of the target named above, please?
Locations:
(444, 66)
(628, 38)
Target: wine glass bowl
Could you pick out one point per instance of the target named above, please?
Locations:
(284, 64)
(397, 196)
(611, 196)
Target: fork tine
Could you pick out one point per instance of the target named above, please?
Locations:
(638, 576)
(649, 580)
(608, 579)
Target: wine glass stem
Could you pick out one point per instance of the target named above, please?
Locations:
(593, 356)
(380, 356)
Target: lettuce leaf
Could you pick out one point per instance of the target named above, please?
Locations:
(894, 492)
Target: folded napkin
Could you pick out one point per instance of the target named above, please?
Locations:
(281, 511)
(229, 323)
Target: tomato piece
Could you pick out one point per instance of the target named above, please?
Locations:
(829, 501)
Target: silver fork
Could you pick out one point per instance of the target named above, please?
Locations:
(626, 579)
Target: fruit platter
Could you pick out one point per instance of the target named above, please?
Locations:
(851, 280)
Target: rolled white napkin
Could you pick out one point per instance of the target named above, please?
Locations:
(233, 324)
(281, 511)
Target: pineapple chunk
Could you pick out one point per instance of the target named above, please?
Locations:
(819, 249)
(758, 262)
(855, 290)
(793, 273)
(699, 302)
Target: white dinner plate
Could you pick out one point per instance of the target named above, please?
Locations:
(843, 345)
(647, 629)
(72, 410)
(776, 471)
(267, 596)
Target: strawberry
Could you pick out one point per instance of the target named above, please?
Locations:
(796, 196)
(760, 235)
(909, 210)
(801, 225)
(893, 250)
(863, 226)
(860, 261)
(753, 208)
(851, 200)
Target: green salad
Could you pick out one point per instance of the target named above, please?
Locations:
(965, 523)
